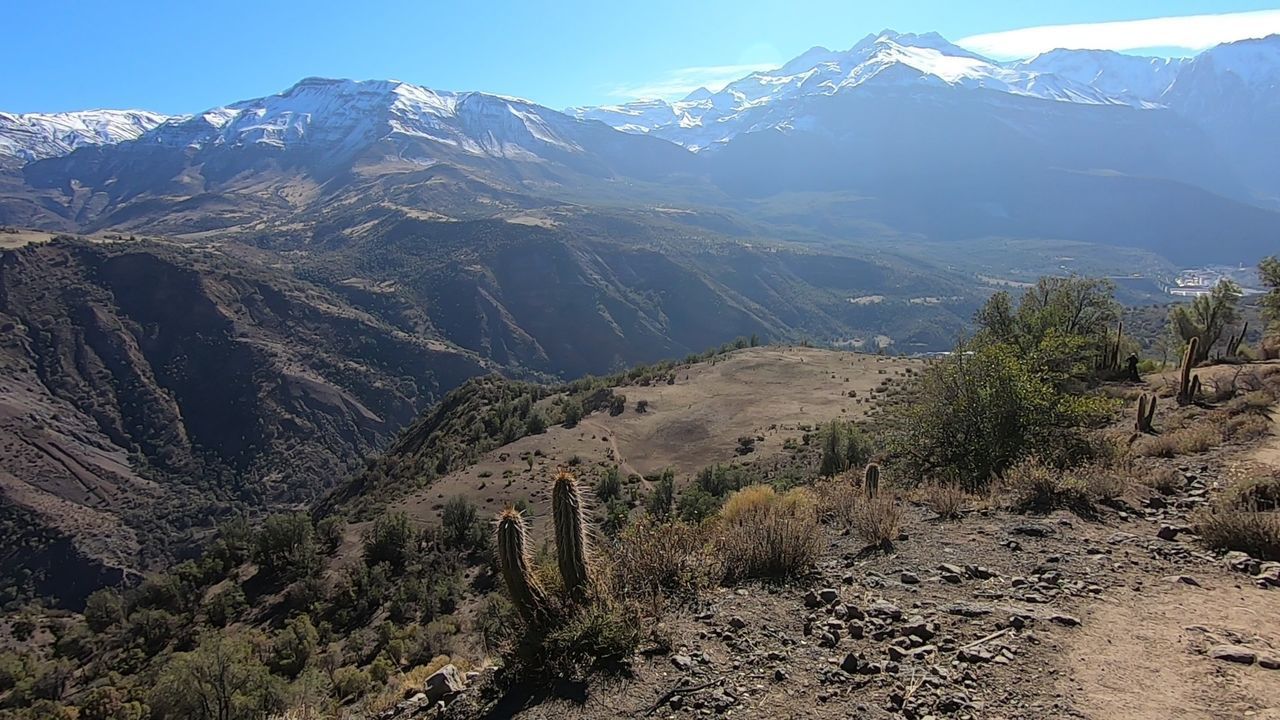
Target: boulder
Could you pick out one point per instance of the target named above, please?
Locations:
(443, 684)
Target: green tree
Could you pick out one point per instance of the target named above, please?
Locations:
(1207, 317)
(285, 547)
(834, 450)
(389, 540)
(973, 414)
(221, 679)
(461, 527)
(294, 646)
(103, 609)
(662, 499)
(609, 486)
(1269, 271)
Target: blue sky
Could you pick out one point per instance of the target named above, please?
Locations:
(181, 57)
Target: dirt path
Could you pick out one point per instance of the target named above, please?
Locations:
(625, 467)
(1139, 656)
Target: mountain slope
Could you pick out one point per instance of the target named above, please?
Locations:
(150, 390)
(36, 136)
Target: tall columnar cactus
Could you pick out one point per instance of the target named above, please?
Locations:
(871, 480)
(527, 593)
(573, 551)
(1113, 352)
(1188, 384)
(1146, 413)
(1233, 343)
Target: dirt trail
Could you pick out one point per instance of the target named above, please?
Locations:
(625, 467)
(1141, 655)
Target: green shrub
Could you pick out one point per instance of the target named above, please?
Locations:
(609, 486)
(293, 646)
(389, 540)
(662, 498)
(979, 411)
(460, 525)
(285, 547)
(103, 609)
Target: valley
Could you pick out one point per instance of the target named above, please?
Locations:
(896, 381)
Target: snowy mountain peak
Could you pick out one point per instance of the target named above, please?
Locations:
(348, 115)
(36, 136)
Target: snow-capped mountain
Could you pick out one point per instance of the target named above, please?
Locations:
(36, 136)
(340, 115)
(765, 100)
(889, 59)
(1134, 78)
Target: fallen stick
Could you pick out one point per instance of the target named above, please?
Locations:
(988, 638)
(678, 690)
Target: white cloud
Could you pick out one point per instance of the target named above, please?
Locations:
(1189, 32)
(677, 83)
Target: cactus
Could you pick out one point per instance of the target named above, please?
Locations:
(871, 480)
(527, 594)
(1188, 384)
(572, 544)
(1146, 414)
(1233, 343)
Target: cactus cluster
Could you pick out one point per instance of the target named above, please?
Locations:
(1188, 383)
(1111, 354)
(871, 481)
(1233, 342)
(1146, 414)
(573, 551)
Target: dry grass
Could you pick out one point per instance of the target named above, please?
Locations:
(1104, 483)
(766, 535)
(1183, 441)
(878, 520)
(945, 499)
(1247, 427)
(839, 498)
(1259, 491)
(1164, 480)
(1231, 525)
(1033, 486)
(654, 561)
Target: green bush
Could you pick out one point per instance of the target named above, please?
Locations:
(389, 540)
(285, 547)
(103, 609)
(609, 486)
(461, 526)
(984, 408)
(662, 499)
(294, 646)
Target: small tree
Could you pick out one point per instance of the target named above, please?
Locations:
(1207, 317)
(834, 450)
(222, 679)
(285, 547)
(662, 498)
(389, 540)
(103, 609)
(461, 524)
(1269, 271)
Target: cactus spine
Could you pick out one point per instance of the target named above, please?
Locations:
(572, 544)
(871, 480)
(1146, 413)
(1188, 384)
(527, 594)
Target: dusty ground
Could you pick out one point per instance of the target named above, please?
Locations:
(1040, 617)
(766, 392)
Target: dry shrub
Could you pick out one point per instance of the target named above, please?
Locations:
(654, 560)
(838, 498)
(1103, 483)
(1257, 402)
(1164, 479)
(1246, 427)
(1258, 491)
(878, 520)
(1183, 441)
(1234, 525)
(766, 535)
(945, 499)
(1033, 486)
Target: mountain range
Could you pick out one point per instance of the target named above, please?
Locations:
(266, 292)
